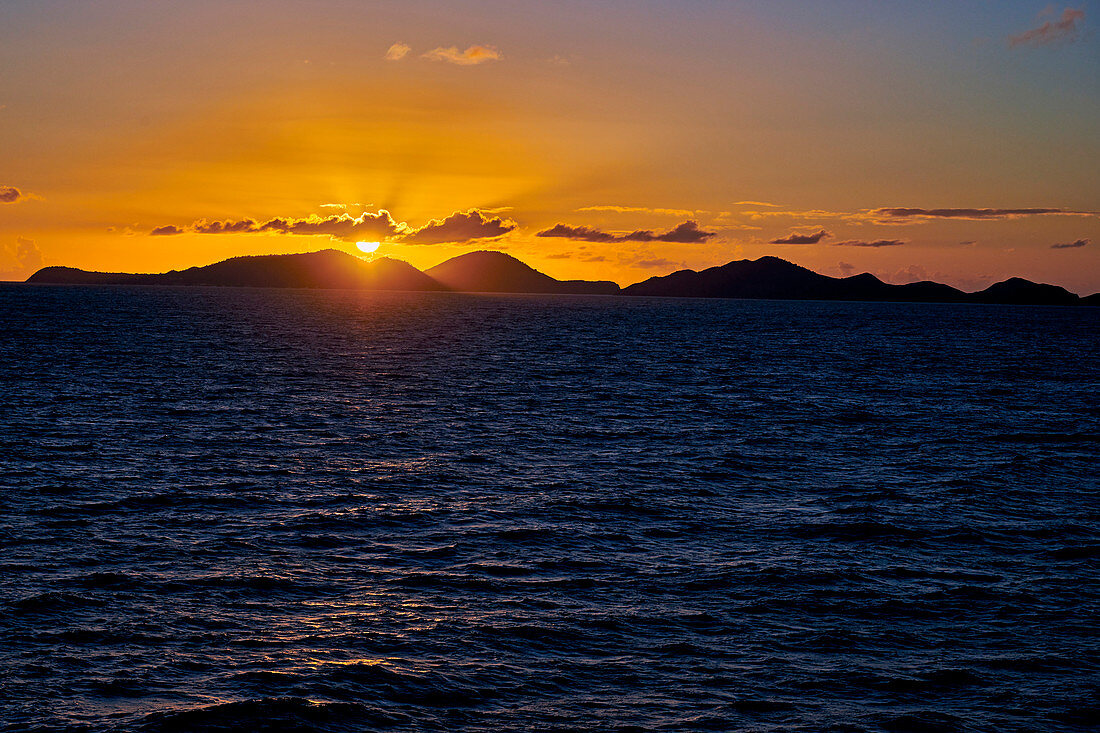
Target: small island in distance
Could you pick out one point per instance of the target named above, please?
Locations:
(766, 278)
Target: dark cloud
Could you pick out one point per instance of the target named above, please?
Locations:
(166, 230)
(874, 243)
(9, 194)
(461, 226)
(340, 226)
(795, 238)
(902, 213)
(224, 227)
(1070, 245)
(685, 233)
(585, 234)
(1063, 30)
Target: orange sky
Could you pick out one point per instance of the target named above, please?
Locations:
(961, 142)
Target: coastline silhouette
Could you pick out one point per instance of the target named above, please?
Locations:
(766, 278)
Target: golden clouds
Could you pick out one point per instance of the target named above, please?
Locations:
(397, 51)
(470, 57)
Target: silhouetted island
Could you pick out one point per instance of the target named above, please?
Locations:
(773, 278)
(327, 268)
(497, 272)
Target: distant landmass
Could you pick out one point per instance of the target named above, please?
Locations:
(773, 278)
(497, 272)
(328, 268)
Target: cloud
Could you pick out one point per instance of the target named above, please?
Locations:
(167, 230)
(1070, 245)
(795, 238)
(461, 226)
(874, 243)
(976, 214)
(845, 269)
(470, 57)
(339, 226)
(639, 209)
(397, 51)
(26, 257)
(1063, 30)
(659, 263)
(685, 233)
(585, 234)
(754, 203)
(224, 227)
(9, 194)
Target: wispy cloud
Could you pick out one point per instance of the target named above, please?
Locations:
(976, 214)
(640, 210)
(659, 263)
(795, 238)
(871, 243)
(397, 51)
(470, 57)
(686, 233)
(461, 226)
(1071, 245)
(25, 257)
(1062, 30)
(909, 215)
(754, 203)
(10, 194)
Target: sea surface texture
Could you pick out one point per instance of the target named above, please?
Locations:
(249, 509)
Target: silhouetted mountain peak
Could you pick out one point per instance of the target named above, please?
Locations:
(328, 268)
(488, 271)
(497, 272)
(1024, 292)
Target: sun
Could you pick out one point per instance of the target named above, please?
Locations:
(368, 247)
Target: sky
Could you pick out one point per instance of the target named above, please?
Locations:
(955, 141)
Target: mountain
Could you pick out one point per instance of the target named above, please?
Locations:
(325, 269)
(496, 272)
(773, 278)
(1024, 292)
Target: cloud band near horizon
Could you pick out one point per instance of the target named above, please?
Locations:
(458, 227)
(686, 233)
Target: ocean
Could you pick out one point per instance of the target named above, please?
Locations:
(286, 510)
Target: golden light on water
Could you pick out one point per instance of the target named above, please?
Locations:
(368, 247)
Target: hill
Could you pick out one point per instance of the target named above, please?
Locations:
(773, 278)
(496, 272)
(325, 269)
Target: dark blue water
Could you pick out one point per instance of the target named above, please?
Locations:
(288, 510)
